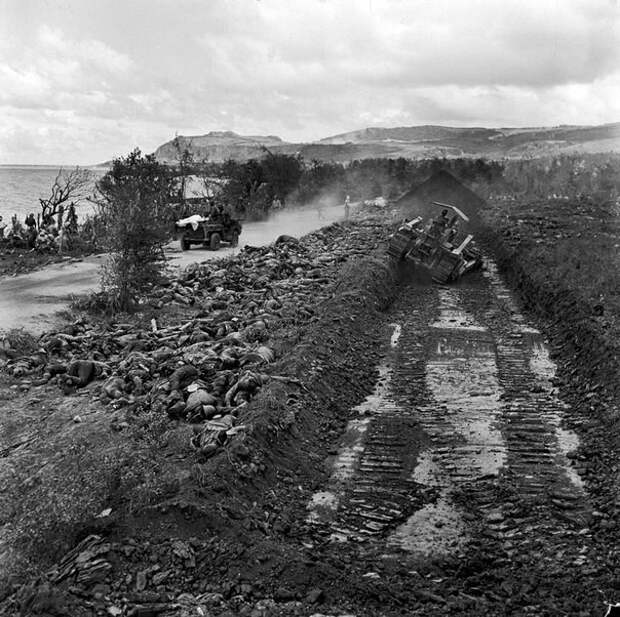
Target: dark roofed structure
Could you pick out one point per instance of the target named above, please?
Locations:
(441, 186)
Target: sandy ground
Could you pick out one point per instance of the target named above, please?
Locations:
(33, 300)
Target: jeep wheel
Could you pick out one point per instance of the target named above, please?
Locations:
(215, 241)
(185, 244)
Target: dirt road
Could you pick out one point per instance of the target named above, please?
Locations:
(32, 300)
(460, 448)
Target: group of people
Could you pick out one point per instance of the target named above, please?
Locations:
(17, 234)
(31, 235)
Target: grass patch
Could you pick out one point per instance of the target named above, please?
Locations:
(52, 494)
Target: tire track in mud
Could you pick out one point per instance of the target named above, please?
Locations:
(551, 493)
(371, 486)
(461, 438)
(461, 421)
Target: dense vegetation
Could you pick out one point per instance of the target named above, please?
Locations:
(249, 188)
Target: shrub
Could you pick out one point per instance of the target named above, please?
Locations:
(133, 199)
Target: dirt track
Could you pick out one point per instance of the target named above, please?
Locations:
(461, 447)
(475, 380)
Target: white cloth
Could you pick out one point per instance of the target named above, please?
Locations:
(193, 220)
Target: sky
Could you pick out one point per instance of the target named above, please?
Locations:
(83, 81)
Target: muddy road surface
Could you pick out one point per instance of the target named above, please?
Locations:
(459, 451)
(32, 300)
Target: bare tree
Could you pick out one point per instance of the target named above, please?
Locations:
(69, 186)
(184, 161)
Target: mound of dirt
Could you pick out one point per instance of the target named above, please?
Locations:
(443, 187)
(581, 336)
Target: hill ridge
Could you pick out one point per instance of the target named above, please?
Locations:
(419, 141)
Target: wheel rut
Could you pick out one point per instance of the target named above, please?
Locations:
(462, 437)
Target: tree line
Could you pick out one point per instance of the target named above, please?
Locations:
(139, 198)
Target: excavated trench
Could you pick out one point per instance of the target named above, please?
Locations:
(462, 437)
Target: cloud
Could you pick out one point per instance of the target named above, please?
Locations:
(89, 53)
(23, 88)
(303, 69)
(412, 44)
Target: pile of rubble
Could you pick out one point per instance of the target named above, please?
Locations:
(207, 365)
(171, 578)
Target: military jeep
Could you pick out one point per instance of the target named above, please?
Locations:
(209, 231)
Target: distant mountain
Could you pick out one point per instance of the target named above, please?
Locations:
(431, 140)
(426, 133)
(221, 145)
(409, 142)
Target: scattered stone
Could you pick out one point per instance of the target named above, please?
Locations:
(282, 594)
(314, 596)
(141, 580)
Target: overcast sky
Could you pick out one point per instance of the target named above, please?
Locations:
(82, 81)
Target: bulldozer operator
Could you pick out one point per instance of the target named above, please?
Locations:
(437, 227)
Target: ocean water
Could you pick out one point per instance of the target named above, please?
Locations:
(21, 186)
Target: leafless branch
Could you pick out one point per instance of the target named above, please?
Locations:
(71, 186)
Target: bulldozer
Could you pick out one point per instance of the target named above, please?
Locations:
(437, 246)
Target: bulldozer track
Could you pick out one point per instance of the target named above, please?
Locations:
(463, 435)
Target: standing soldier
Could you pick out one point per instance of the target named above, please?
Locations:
(347, 208)
(31, 224)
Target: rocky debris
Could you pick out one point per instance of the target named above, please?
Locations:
(41, 598)
(564, 291)
(204, 367)
(85, 564)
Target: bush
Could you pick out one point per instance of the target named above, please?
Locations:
(133, 199)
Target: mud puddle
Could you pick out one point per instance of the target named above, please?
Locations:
(436, 529)
(451, 315)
